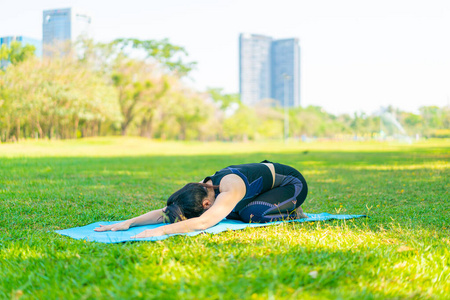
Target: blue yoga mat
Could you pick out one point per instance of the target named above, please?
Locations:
(87, 232)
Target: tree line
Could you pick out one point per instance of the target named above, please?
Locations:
(136, 87)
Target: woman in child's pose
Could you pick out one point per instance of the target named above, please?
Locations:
(256, 192)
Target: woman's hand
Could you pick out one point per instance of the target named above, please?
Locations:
(114, 227)
(148, 233)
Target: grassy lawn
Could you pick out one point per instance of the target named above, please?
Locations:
(401, 251)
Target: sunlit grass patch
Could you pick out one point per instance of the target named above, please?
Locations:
(400, 251)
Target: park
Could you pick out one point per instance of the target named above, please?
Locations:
(401, 250)
(225, 150)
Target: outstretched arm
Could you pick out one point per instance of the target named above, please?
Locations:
(152, 217)
(232, 191)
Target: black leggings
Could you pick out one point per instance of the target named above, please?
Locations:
(278, 203)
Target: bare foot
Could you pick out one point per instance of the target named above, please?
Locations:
(300, 214)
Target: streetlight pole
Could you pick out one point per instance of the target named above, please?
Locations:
(285, 104)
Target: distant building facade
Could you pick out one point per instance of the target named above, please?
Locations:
(269, 68)
(254, 67)
(62, 25)
(286, 70)
(7, 40)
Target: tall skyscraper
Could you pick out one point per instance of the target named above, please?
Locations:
(286, 72)
(254, 67)
(60, 25)
(7, 40)
(269, 68)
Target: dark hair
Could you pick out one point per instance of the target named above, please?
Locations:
(187, 202)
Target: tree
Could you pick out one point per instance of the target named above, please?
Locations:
(189, 111)
(142, 71)
(162, 51)
(16, 52)
(223, 101)
(53, 98)
(242, 125)
(139, 87)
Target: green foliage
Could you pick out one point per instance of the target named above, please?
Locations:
(134, 87)
(16, 52)
(138, 88)
(400, 252)
(412, 120)
(242, 125)
(169, 55)
(441, 133)
(101, 88)
(223, 100)
(189, 113)
(54, 97)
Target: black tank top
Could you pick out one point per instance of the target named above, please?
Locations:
(257, 178)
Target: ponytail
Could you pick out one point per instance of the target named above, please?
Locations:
(173, 214)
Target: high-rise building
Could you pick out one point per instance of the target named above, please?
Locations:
(269, 68)
(7, 40)
(61, 25)
(254, 67)
(286, 72)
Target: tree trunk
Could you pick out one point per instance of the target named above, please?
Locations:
(142, 127)
(99, 127)
(38, 126)
(18, 129)
(182, 132)
(149, 129)
(124, 127)
(50, 129)
(146, 127)
(75, 131)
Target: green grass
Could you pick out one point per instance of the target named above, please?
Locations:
(401, 251)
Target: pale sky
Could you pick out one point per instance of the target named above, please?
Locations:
(356, 55)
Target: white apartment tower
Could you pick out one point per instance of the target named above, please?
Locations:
(62, 25)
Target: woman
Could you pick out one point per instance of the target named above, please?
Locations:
(256, 192)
